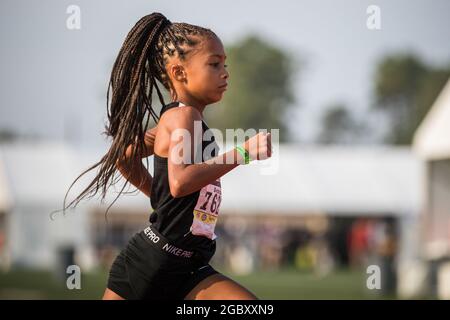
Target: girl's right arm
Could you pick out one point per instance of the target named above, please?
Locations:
(185, 178)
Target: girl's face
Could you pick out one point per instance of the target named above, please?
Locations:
(205, 72)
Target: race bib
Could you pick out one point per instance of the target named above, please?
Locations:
(206, 210)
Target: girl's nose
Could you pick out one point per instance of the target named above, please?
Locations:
(226, 74)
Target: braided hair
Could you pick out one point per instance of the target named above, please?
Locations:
(140, 62)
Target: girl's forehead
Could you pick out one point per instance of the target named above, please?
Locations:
(212, 47)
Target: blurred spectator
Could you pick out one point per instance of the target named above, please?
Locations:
(271, 247)
(385, 248)
(359, 242)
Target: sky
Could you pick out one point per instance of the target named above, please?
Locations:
(54, 80)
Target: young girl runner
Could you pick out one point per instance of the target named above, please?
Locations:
(169, 259)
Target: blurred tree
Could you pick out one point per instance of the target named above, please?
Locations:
(259, 93)
(8, 135)
(405, 89)
(339, 126)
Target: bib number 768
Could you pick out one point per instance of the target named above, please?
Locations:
(215, 203)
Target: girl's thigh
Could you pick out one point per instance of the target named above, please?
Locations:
(111, 295)
(219, 287)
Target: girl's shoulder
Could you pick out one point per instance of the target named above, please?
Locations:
(181, 116)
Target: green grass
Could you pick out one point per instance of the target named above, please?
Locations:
(34, 284)
(292, 284)
(284, 284)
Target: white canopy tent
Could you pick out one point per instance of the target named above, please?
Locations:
(432, 143)
(432, 138)
(337, 180)
(5, 195)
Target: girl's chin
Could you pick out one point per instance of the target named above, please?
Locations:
(216, 98)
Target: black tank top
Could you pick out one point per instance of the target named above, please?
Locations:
(188, 221)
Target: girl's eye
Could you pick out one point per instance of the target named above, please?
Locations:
(217, 64)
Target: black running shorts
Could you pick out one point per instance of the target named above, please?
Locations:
(144, 271)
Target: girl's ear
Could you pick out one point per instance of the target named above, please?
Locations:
(177, 72)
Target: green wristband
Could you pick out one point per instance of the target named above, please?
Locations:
(244, 154)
